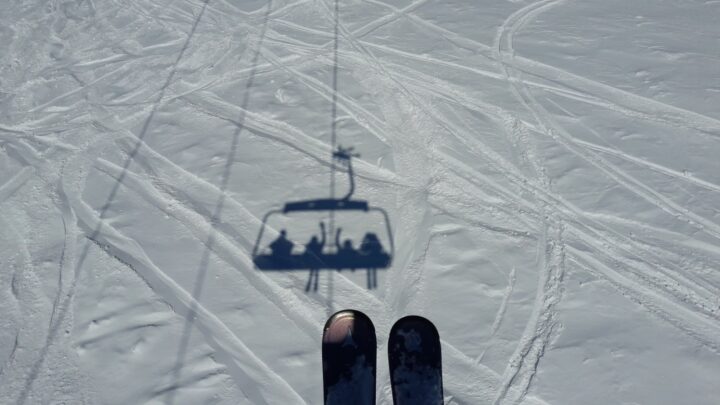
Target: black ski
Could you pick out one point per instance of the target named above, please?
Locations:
(415, 362)
(349, 359)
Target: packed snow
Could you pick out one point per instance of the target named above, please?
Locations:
(550, 171)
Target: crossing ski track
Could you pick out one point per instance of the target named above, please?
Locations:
(504, 44)
(643, 271)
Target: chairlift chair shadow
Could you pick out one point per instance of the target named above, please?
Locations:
(370, 255)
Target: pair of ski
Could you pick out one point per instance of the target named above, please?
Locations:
(349, 361)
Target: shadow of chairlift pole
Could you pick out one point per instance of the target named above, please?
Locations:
(371, 255)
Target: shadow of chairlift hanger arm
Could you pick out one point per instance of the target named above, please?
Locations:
(345, 156)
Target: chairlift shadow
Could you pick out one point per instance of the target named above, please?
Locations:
(317, 254)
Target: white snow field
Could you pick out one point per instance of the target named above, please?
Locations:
(550, 168)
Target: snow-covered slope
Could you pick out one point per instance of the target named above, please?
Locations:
(550, 169)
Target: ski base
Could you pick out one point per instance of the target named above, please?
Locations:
(415, 362)
(349, 359)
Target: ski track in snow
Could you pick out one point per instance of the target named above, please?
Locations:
(539, 332)
(505, 50)
(563, 234)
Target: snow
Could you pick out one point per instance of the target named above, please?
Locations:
(549, 168)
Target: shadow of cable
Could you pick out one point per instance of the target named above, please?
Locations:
(217, 212)
(61, 309)
(333, 136)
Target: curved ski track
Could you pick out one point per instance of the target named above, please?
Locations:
(561, 232)
(687, 290)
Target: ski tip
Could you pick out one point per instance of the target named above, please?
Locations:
(347, 321)
(349, 359)
(416, 322)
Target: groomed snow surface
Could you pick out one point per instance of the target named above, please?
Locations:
(550, 169)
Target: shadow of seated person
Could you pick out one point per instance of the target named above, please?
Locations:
(373, 256)
(371, 246)
(281, 249)
(347, 256)
(314, 250)
(313, 258)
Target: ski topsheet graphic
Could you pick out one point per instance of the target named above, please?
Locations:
(349, 359)
(415, 362)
